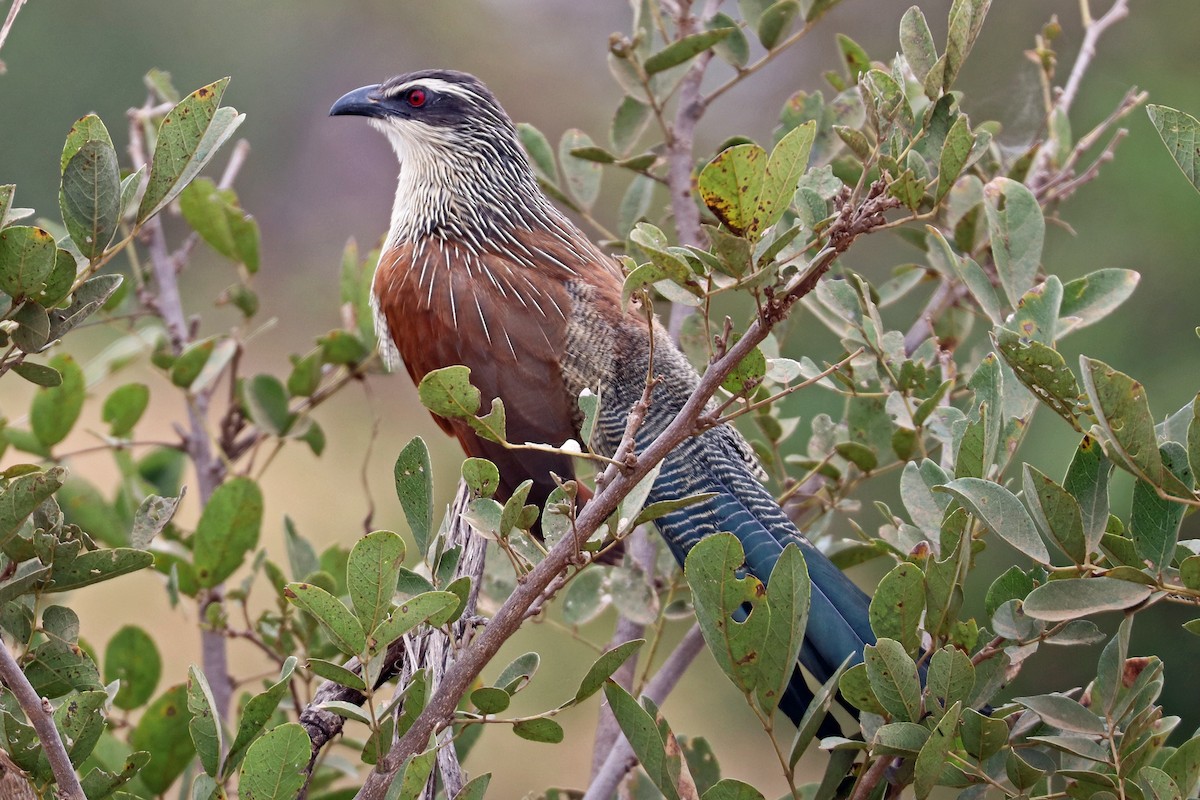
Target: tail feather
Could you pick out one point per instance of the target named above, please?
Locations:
(838, 623)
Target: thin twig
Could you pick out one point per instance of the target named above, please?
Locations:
(1093, 30)
(8, 22)
(621, 758)
(40, 716)
(871, 778)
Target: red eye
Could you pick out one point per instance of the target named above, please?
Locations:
(415, 97)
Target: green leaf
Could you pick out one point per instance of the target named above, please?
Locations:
(1078, 597)
(539, 150)
(1154, 521)
(60, 280)
(1056, 513)
(585, 597)
(734, 48)
(448, 392)
(188, 137)
(90, 197)
(776, 22)
(966, 18)
(581, 177)
(346, 631)
(26, 260)
(274, 765)
(1017, 229)
(684, 49)
(1064, 713)
(80, 721)
(216, 216)
(191, 362)
(718, 593)
(730, 789)
(520, 671)
(414, 488)
(1087, 481)
(481, 476)
(150, 518)
(490, 700)
(897, 606)
(817, 8)
(88, 299)
(409, 615)
(1000, 510)
(539, 730)
(1180, 132)
(814, 716)
(788, 595)
(23, 495)
(1184, 766)
(644, 735)
(1043, 371)
(916, 42)
(931, 760)
(893, 677)
(604, 667)
(267, 402)
(228, 529)
(55, 409)
(1123, 411)
(97, 566)
(205, 724)
(163, 732)
(102, 783)
(256, 714)
(132, 658)
(731, 184)
(1094, 296)
(57, 667)
(785, 165)
(371, 575)
(38, 374)
(983, 736)
(124, 406)
(748, 373)
(336, 673)
(951, 678)
(88, 128)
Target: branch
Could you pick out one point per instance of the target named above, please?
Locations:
(681, 149)
(210, 469)
(40, 716)
(616, 483)
(8, 23)
(1092, 31)
(621, 758)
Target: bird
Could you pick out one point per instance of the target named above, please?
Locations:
(479, 268)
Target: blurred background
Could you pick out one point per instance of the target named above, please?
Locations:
(313, 182)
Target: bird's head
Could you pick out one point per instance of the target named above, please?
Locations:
(458, 149)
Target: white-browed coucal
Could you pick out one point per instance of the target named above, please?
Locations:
(480, 269)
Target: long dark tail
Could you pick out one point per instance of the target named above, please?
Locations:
(838, 623)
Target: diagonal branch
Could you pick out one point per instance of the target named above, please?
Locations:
(40, 717)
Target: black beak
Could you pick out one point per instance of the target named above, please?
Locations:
(364, 102)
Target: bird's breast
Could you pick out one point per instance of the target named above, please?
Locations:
(534, 309)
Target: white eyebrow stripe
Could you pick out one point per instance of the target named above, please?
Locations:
(434, 85)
